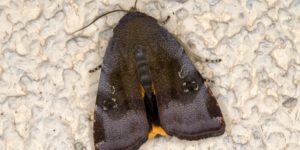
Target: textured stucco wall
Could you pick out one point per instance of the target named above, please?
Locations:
(47, 95)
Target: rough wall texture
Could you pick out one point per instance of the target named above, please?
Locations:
(47, 95)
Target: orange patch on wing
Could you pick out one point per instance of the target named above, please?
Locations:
(153, 89)
(156, 130)
(142, 91)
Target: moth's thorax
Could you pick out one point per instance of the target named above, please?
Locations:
(136, 28)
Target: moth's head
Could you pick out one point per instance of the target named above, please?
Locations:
(134, 9)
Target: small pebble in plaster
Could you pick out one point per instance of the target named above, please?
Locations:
(182, 13)
(240, 134)
(191, 44)
(79, 146)
(269, 105)
(276, 140)
(290, 102)
(179, 1)
(213, 2)
(292, 146)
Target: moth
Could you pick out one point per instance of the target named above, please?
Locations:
(148, 84)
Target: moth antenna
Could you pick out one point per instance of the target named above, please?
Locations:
(135, 3)
(100, 16)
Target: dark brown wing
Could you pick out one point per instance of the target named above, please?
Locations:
(187, 109)
(120, 118)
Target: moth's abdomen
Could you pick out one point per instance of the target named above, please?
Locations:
(144, 76)
(143, 70)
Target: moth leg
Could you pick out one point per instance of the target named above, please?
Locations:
(95, 69)
(199, 58)
(206, 60)
(163, 22)
(213, 60)
(209, 80)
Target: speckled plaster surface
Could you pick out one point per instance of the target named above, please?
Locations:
(47, 95)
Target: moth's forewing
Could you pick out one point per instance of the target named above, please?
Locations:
(120, 118)
(187, 108)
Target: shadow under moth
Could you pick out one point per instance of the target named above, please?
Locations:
(149, 86)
